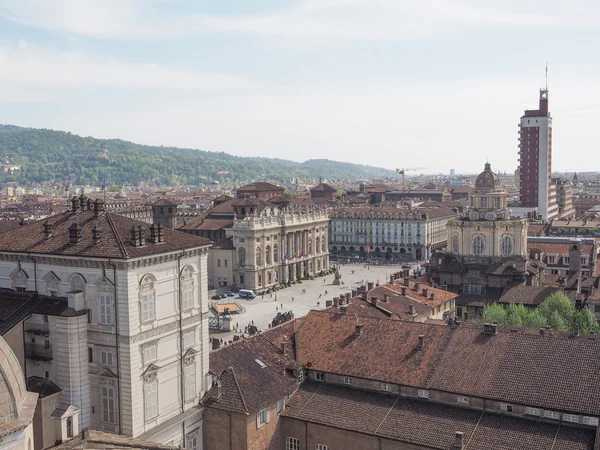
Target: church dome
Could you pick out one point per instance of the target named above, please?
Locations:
(487, 180)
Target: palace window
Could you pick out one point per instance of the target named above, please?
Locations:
(506, 245)
(148, 298)
(108, 404)
(151, 394)
(190, 381)
(242, 257)
(478, 245)
(105, 302)
(187, 288)
(455, 243)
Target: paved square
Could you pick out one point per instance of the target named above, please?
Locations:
(262, 310)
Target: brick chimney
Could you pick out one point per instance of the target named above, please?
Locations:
(82, 199)
(75, 234)
(135, 236)
(161, 234)
(74, 204)
(417, 286)
(142, 234)
(403, 290)
(153, 234)
(96, 235)
(421, 343)
(47, 230)
(283, 345)
(458, 441)
(98, 207)
(358, 329)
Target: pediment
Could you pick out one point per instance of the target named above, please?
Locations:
(106, 373)
(51, 277)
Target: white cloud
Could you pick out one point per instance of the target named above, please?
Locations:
(25, 65)
(320, 19)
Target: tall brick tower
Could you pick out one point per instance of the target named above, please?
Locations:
(535, 160)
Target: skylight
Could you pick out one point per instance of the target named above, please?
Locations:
(260, 363)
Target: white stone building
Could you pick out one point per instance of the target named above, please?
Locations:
(392, 233)
(278, 246)
(130, 349)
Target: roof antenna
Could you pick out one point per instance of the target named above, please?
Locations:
(546, 75)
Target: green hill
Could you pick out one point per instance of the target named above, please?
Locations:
(55, 156)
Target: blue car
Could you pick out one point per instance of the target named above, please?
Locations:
(230, 293)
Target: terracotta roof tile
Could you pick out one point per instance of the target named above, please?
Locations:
(115, 231)
(387, 351)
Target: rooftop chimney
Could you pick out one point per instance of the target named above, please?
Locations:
(142, 233)
(75, 234)
(47, 230)
(413, 310)
(425, 292)
(335, 301)
(96, 235)
(392, 279)
(82, 199)
(542, 332)
(74, 204)
(153, 234)
(386, 298)
(458, 440)
(417, 286)
(344, 309)
(403, 290)
(374, 301)
(358, 330)
(283, 345)
(406, 283)
(98, 207)
(217, 384)
(370, 285)
(161, 234)
(490, 328)
(432, 296)
(88, 204)
(421, 341)
(135, 236)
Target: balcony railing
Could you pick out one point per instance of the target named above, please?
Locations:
(40, 329)
(38, 352)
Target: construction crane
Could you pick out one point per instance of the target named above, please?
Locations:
(403, 173)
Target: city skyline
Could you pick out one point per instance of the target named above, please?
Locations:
(397, 85)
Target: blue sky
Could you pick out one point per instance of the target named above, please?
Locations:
(394, 83)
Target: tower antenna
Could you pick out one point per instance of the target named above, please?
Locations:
(546, 75)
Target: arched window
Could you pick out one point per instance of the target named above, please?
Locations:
(268, 255)
(275, 253)
(310, 246)
(242, 257)
(478, 245)
(506, 246)
(455, 242)
(258, 256)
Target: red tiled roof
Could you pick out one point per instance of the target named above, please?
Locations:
(115, 240)
(385, 351)
(526, 295)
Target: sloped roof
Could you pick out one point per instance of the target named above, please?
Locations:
(100, 440)
(115, 231)
(323, 187)
(260, 186)
(246, 385)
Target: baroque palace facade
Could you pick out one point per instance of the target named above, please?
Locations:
(279, 246)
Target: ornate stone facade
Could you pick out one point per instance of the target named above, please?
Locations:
(279, 246)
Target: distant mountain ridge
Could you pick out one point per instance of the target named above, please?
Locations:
(43, 155)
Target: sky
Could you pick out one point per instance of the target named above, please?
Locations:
(428, 84)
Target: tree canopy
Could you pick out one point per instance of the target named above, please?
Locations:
(54, 156)
(557, 311)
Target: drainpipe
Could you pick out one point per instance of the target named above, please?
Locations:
(181, 364)
(34, 270)
(117, 344)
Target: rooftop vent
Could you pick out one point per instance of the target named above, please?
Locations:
(358, 329)
(75, 234)
(458, 440)
(96, 235)
(98, 207)
(74, 204)
(490, 328)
